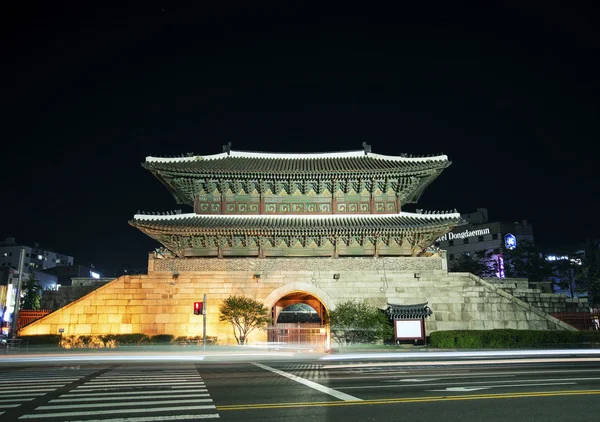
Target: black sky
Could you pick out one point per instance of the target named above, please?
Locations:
(509, 94)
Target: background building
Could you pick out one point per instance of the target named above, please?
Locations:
(36, 257)
(476, 234)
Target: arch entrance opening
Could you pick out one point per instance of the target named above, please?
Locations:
(299, 319)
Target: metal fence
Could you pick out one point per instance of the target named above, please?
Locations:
(580, 320)
(27, 316)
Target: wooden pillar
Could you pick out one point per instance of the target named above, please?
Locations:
(398, 209)
(222, 203)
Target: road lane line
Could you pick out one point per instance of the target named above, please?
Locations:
(465, 383)
(115, 411)
(157, 418)
(311, 384)
(504, 386)
(456, 362)
(409, 400)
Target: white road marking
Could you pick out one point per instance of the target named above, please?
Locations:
(413, 380)
(119, 397)
(132, 393)
(117, 411)
(24, 387)
(137, 403)
(474, 382)
(311, 384)
(503, 386)
(157, 418)
(141, 384)
(463, 389)
(6, 406)
(457, 362)
(436, 379)
(14, 400)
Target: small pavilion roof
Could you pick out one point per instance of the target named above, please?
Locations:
(313, 164)
(420, 310)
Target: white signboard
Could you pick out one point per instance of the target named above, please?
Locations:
(408, 329)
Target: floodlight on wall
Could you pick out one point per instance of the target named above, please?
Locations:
(256, 276)
(336, 276)
(417, 275)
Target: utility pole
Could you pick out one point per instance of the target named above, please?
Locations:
(15, 315)
(204, 325)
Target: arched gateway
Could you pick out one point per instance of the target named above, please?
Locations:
(299, 319)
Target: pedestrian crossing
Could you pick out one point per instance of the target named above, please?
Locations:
(23, 386)
(131, 394)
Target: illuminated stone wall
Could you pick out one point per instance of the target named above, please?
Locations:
(162, 301)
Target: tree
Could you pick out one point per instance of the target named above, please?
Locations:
(358, 322)
(33, 293)
(590, 272)
(470, 263)
(569, 272)
(525, 261)
(244, 314)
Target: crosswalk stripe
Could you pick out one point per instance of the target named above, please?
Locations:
(48, 387)
(19, 399)
(139, 403)
(116, 411)
(28, 394)
(6, 406)
(80, 393)
(158, 418)
(144, 384)
(36, 380)
(98, 380)
(117, 398)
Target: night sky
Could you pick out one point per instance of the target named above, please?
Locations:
(510, 95)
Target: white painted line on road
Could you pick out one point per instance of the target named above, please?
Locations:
(141, 384)
(137, 403)
(463, 389)
(75, 393)
(50, 387)
(311, 384)
(436, 379)
(503, 386)
(163, 382)
(21, 394)
(457, 362)
(117, 411)
(149, 377)
(6, 406)
(157, 418)
(37, 381)
(470, 383)
(14, 400)
(119, 397)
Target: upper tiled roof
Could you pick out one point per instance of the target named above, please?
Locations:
(238, 162)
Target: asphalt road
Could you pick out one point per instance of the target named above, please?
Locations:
(307, 388)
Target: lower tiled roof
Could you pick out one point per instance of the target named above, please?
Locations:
(329, 222)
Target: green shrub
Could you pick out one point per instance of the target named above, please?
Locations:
(42, 340)
(161, 338)
(509, 339)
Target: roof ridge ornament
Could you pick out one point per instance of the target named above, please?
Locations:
(366, 147)
(227, 148)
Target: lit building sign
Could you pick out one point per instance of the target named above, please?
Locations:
(464, 234)
(94, 275)
(510, 241)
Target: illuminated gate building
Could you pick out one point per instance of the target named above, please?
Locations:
(300, 233)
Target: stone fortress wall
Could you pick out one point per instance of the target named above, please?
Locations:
(162, 301)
